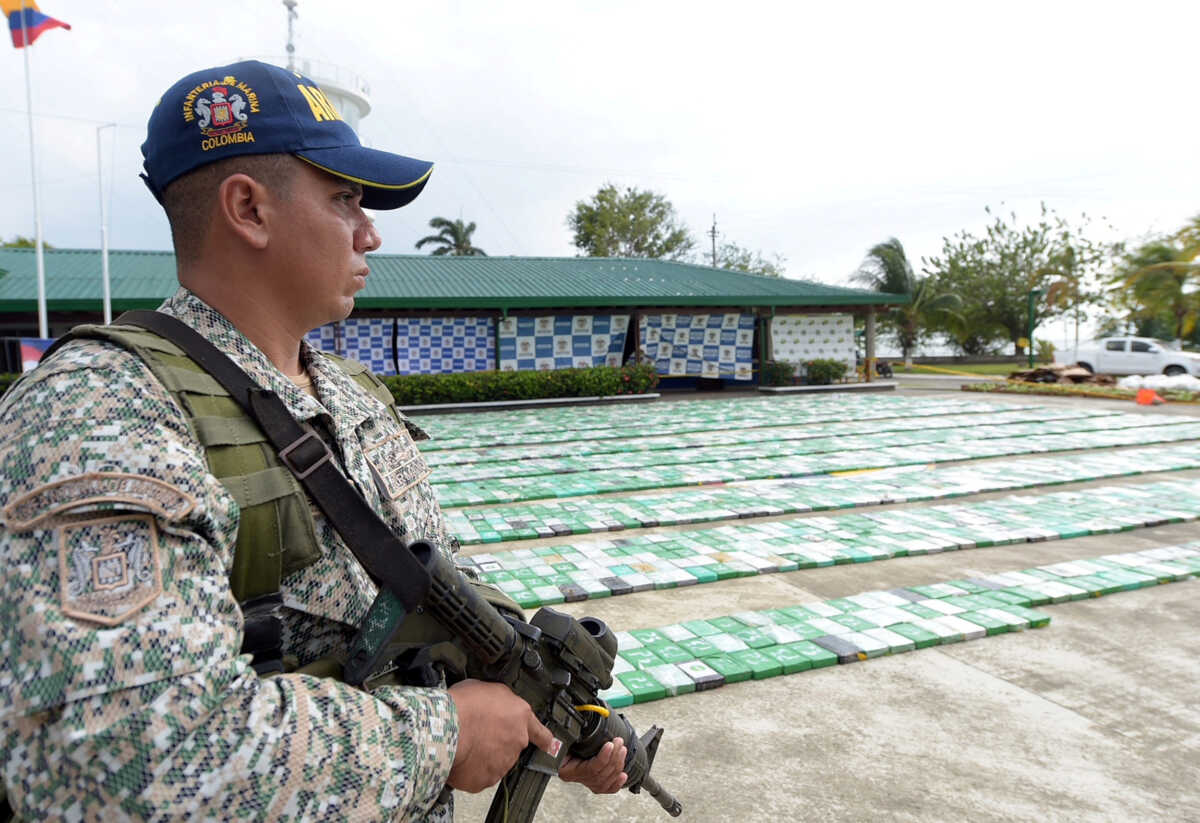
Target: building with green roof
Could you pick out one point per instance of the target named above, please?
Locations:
(491, 290)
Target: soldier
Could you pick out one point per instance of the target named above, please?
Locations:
(145, 522)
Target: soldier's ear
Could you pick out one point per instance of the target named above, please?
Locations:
(242, 208)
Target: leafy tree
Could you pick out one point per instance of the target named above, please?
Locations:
(453, 238)
(732, 256)
(994, 273)
(1074, 286)
(21, 242)
(886, 269)
(629, 223)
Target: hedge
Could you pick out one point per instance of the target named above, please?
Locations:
(822, 371)
(472, 387)
(819, 372)
(778, 373)
(423, 389)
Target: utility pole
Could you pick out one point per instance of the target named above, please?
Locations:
(713, 234)
(290, 5)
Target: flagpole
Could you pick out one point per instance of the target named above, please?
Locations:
(103, 226)
(43, 326)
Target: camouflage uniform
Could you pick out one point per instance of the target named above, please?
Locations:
(122, 692)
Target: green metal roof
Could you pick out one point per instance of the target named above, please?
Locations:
(142, 279)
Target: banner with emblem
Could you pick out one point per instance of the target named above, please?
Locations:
(365, 339)
(441, 345)
(798, 338)
(412, 345)
(700, 345)
(562, 341)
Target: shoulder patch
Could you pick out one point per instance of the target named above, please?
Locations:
(99, 489)
(108, 568)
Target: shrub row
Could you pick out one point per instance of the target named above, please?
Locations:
(819, 372)
(473, 387)
(822, 372)
(422, 389)
(778, 373)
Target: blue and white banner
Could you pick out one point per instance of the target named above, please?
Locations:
(365, 339)
(438, 345)
(700, 345)
(562, 341)
(422, 345)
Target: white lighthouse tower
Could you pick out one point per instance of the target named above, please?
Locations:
(347, 90)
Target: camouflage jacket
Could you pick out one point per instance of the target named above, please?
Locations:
(122, 690)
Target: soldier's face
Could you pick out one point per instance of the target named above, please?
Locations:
(323, 241)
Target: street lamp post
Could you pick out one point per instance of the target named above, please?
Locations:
(1034, 294)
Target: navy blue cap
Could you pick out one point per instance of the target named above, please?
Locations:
(256, 108)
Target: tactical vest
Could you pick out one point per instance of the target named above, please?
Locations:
(276, 535)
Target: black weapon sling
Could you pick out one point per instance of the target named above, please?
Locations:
(400, 575)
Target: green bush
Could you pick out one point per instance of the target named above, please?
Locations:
(778, 373)
(422, 389)
(473, 387)
(822, 372)
(1045, 351)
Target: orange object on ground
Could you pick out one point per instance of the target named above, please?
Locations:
(1149, 397)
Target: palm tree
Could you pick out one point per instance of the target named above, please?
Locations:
(453, 238)
(886, 269)
(1160, 275)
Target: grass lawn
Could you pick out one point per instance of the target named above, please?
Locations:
(981, 369)
(1078, 390)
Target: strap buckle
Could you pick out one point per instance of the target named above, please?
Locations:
(307, 461)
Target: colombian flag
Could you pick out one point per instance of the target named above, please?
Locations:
(26, 23)
(32, 349)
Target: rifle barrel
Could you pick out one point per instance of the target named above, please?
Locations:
(664, 797)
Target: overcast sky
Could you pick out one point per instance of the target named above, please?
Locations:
(811, 130)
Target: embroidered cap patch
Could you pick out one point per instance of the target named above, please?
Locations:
(109, 568)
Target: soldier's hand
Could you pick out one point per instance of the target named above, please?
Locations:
(603, 774)
(494, 727)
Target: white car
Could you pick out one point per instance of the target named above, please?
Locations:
(1130, 355)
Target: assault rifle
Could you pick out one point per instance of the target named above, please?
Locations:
(554, 662)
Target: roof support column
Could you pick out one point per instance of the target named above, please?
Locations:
(763, 323)
(503, 313)
(870, 354)
(635, 322)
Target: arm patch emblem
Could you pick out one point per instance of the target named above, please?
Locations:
(99, 489)
(108, 568)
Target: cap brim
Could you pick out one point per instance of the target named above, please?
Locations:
(389, 180)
